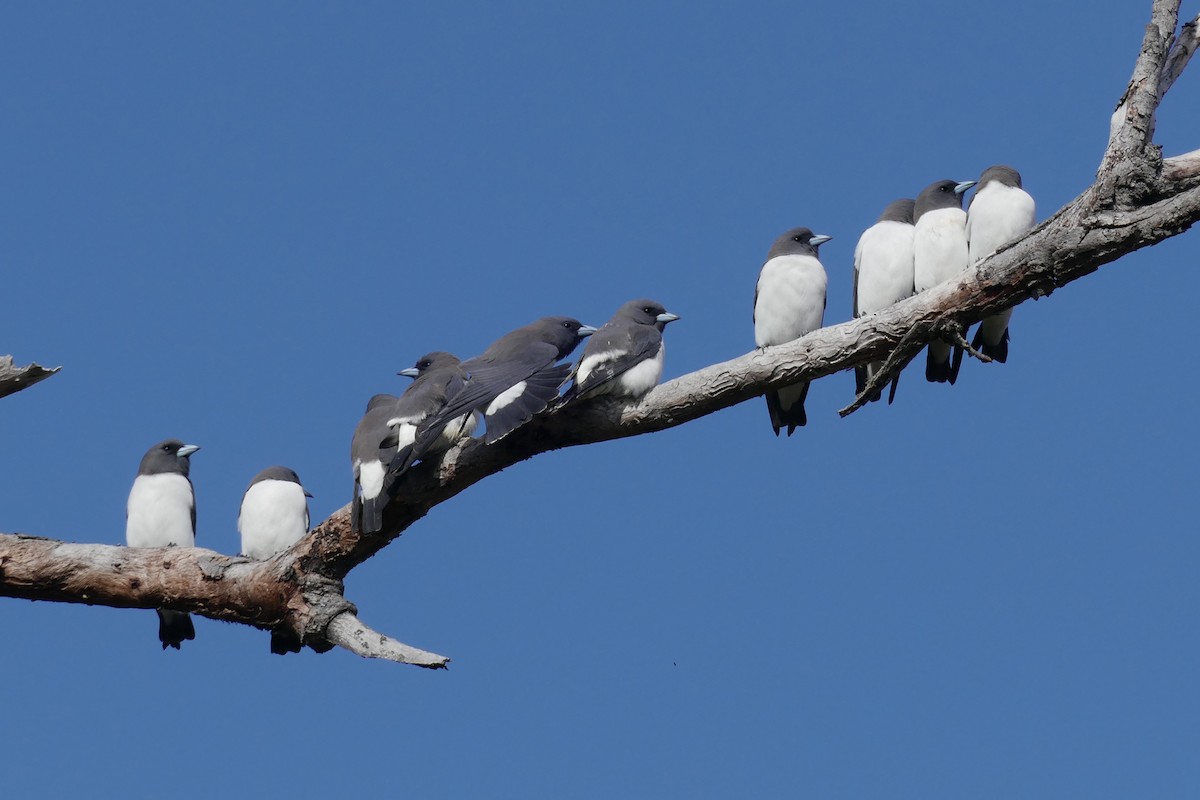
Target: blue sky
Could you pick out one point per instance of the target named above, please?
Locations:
(232, 223)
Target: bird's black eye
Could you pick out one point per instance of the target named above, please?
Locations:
(166, 448)
(797, 238)
(566, 324)
(424, 365)
(648, 310)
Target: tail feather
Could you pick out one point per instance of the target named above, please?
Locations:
(283, 640)
(174, 627)
(937, 362)
(997, 351)
(787, 412)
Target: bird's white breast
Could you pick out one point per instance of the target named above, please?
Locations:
(884, 262)
(641, 377)
(939, 247)
(159, 512)
(998, 214)
(274, 516)
(791, 299)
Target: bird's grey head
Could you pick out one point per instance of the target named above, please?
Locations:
(380, 399)
(169, 456)
(278, 474)
(797, 242)
(646, 312)
(1001, 174)
(898, 211)
(435, 360)
(565, 333)
(942, 194)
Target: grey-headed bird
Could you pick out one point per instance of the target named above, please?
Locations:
(999, 212)
(625, 357)
(940, 253)
(161, 512)
(883, 274)
(272, 518)
(789, 301)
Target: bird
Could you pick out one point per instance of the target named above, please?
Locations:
(940, 253)
(274, 513)
(514, 378)
(625, 357)
(883, 275)
(273, 517)
(789, 301)
(161, 512)
(388, 429)
(371, 451)
(1000, 211)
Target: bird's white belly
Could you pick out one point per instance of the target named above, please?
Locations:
(160, 512)
(641, 378)
(274, 516)
(939, 247)
(791, 299)
(885, 266)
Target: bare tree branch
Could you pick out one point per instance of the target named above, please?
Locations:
(1137, 200)
(14, 379)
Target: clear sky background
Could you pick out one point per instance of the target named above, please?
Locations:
(232, 223)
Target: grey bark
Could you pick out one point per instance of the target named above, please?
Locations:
(1137, 200)
(13, 379)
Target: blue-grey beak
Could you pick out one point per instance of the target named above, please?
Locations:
(411, 372)
(819, 239)
(187, 450)
(666, 317)
(586, 330)
(959, 188)
(307, 493)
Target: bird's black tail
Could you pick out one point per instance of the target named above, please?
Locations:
(174, 627)
(940, 367)
(284, 641)
(540, 389)
(786, 407)
(997, 351)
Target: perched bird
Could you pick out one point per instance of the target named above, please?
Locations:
(273, 517)
(625, 357)
(515, 378)
(387, 432)
(274, 513)
(161, 512)
(940, 253)
(999, 211)
(789, 301)
(372, 449)
(883, 274)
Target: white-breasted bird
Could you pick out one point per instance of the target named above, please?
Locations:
(272, 518)
(883, 275)
(789, 301)
(999, 212)
(940, 253)
(625, 357)
(274, 513)
(161, 512)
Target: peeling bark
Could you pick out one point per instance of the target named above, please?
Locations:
(1137, 200)
(13, 379)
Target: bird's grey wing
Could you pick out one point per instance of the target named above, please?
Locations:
(631, 345)
(483, 380)
(540, 388)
